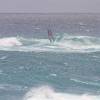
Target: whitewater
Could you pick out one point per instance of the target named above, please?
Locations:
(65, 43)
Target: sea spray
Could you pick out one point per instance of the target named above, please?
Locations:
(48, 93)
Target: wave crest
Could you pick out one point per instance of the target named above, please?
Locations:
(9, 42)
(63, 43)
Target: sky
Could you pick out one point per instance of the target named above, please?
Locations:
(50, 6)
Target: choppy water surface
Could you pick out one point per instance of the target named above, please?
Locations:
(32, 68)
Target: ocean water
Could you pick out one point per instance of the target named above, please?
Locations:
(32, 68)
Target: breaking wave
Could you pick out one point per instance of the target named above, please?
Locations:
(48, 93)
(62, 43)
(9, 42)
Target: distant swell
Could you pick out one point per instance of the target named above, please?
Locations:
(47, 93)
(62, 43)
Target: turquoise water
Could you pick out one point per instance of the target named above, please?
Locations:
(32, 68)
(73, 73)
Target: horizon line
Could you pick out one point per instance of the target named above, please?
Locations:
(49, 12)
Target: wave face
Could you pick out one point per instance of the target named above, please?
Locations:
(47, 93)
(62, 43)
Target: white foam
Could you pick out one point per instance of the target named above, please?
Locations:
(9, 42)
(53, 74)
(86, 82)
(64, 43)
(47, 93)
(3, 57)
